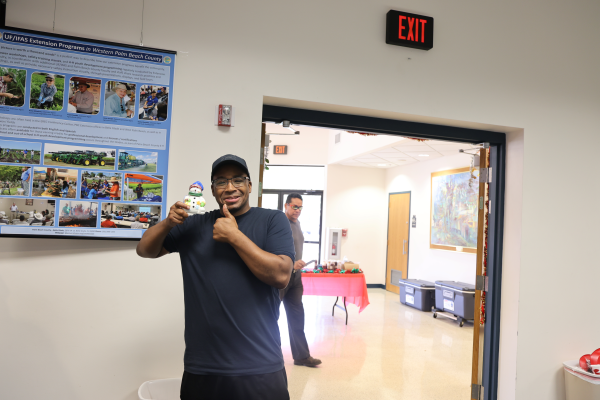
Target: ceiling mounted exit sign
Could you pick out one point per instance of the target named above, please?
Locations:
(409, 30)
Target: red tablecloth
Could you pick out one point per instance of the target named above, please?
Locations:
(351, 286)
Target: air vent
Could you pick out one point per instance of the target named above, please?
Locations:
(337, 137)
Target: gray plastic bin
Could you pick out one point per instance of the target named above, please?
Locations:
(456, 298)
(417, 294)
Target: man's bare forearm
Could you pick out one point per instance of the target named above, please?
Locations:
(151, 245)
(270, 268)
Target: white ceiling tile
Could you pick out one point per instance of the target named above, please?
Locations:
(415, 147)
(448, 146)
(429, 155)
(386, 150)
(448, 152)
(405, 162)
(395, 153)
(368, 158)
(381, 165)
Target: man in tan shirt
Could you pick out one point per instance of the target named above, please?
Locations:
(292, 294)
(83, 100)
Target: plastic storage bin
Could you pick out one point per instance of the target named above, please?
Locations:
(417, 294)
(160, 389)
(455, 300)
(579, 386)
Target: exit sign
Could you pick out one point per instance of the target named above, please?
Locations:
(409, 30)
(279, 149)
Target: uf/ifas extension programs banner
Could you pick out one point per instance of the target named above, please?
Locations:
(84, 137)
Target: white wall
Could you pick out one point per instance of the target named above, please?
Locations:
(352, 145)
(90, 320)
(425, 263)
(307, 148)
(356, 200)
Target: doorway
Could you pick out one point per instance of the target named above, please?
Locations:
(311, 219)
(368, 126)
(398, 240)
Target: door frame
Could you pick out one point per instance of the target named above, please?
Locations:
(497, 141)
(388, 233)
(281, 192)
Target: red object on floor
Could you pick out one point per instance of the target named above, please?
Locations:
(351, 286)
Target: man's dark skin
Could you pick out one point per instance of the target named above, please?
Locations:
(274, 270)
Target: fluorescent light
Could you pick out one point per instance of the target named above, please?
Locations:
(423, 155)
(382, 165)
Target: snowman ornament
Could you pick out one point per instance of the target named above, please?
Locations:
(194, 199)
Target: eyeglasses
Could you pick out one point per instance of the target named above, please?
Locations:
(237, 182)
(49, 80)
(296, 208)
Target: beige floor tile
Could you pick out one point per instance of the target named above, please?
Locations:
(389, 351)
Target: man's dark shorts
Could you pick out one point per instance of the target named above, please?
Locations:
(271, 386)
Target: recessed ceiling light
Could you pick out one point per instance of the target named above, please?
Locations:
(382, 165)
(423, 155)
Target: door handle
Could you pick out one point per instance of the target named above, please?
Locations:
(403, 247)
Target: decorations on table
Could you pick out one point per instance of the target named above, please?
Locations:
(334, 267)
(194, 199)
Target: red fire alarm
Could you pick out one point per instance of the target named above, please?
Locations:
(224, 115)
(344, 232)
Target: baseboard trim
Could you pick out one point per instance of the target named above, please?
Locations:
(375, 286)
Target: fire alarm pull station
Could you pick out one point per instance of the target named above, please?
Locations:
(224, 115)
(334, 243)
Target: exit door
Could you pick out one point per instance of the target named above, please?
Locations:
(398, 240)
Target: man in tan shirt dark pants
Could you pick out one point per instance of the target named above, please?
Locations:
(292, 294)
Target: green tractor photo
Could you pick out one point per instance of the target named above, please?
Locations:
(127, 160)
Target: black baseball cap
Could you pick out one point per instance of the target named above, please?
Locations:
(229, 159)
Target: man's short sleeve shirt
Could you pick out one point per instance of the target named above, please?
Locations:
(230, 315)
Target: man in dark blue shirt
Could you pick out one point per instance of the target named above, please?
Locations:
(234, 260)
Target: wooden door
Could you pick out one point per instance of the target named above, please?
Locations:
(397, 244)
(479, 323)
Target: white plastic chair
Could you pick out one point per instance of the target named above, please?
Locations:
(160, 389)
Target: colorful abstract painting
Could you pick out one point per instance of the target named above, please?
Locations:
(454, 209)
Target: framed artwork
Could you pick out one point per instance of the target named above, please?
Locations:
(28, 202)
(454, 210)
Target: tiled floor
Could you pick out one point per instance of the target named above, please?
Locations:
(389, 351)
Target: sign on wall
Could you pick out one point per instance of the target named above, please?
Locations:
(84, 136)
(409, 30)
(280, 149)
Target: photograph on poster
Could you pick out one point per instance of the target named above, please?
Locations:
(119, 99)
(14, 181)
(84, 95)
(23, 212)
(77, 214)
(154, 103)
(47, 91)
(82, 156)
(54, 182)
(129, 216)
(12, 86)
(101, 185)
(17, 152)
(139, 187)
(139, 161)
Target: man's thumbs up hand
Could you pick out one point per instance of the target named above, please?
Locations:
(225, 228)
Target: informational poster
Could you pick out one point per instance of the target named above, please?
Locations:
(84, 136)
